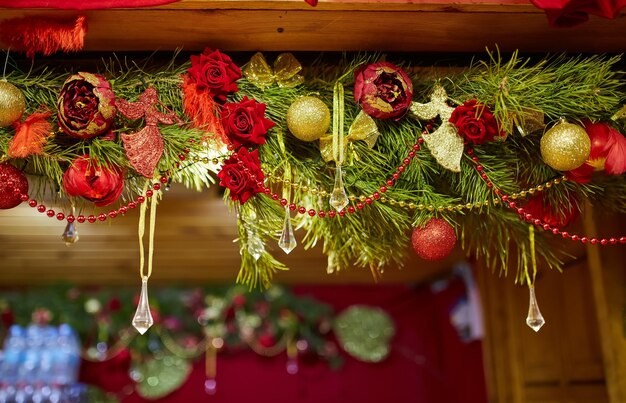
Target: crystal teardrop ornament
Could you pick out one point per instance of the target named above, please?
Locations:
(339, 198)
(143, 318)
(534, 320)
(287, 240)
(255, 245)
(70, 235)
(210, 386)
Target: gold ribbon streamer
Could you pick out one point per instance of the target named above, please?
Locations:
(141, 231)
(285, 72)
(533, 258)
(363, 128)
(621, 114)
(338, 115)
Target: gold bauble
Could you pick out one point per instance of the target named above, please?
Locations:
(11, 103)
(565, 146)
(308, 118)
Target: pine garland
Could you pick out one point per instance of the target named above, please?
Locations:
(578, 88)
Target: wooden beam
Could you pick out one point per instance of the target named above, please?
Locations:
(430, 27)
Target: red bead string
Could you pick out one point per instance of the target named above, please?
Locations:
(90, 218)
(526, 216)
(351, 209)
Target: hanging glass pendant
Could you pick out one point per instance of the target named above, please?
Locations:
(256, 248)
(292, 365)
(287, 240)
(534, 320)
(339, 198)
(143, 318)
(70, 235)
(210, 386)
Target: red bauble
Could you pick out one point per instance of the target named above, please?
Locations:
(435, 240)
(9, 197)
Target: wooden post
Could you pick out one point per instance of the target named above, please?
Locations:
(608, 287)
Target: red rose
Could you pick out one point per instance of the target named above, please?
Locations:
(383, 90)
(215, 73)
(100, 185)
(245, 123)
(238, 178)
(475, 122)
(86, 106)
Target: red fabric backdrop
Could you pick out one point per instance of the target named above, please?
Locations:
(428, 362)
(82, 4)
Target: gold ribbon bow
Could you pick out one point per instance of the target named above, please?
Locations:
(444, 144)
(363, 128)
(285, 73)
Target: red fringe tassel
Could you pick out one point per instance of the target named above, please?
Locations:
(42, 35)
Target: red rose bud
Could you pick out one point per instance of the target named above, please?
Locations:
(215, 73)
(239, 182)
(383, 90)
(475, 122)
(244, 123)
(100, 185)
(86, 106)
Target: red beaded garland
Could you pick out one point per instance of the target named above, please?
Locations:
(529, 217)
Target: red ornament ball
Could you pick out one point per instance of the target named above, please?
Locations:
(435, 240)
(9, 196)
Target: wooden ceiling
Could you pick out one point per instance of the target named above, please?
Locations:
(340, 25)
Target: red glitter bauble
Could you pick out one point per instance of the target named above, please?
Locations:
(435, 240)
(9, 197)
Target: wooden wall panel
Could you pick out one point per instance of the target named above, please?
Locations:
(562, 363)
(193, 244)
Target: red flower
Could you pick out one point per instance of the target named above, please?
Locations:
(100, 185)
(41, 316)
(383, 90)
(475, 122)
(239, 300)
(7, 318)
(267, 340)
(215, 73)
(245, 123)
(238, 178)
(608, 153)
(86, 106)
(114, 304)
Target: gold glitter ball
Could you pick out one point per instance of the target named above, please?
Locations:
(565, 146)
(11, 103)
(308, 118)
